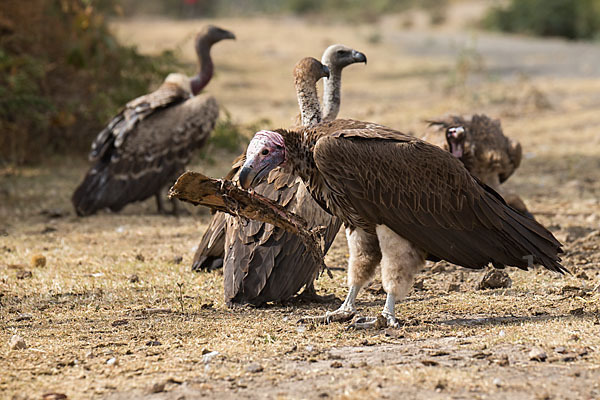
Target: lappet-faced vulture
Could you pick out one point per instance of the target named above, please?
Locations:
(147, 145)
(483, 148)
(402, 201)
(263, 263)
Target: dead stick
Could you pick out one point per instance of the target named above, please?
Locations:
(223, 195)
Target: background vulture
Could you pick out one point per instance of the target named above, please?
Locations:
(484, 150)
(402, 201)
(147, 145)
(264, 263)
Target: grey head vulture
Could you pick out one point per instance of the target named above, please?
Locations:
(402, 201)
(263, 263)
(481, 145)
(147, 145)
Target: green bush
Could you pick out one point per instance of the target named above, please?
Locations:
(572, 19)
(62, 76)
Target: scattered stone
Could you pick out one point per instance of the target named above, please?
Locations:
(572, 291)
(497, 382)
(177, 259)
(120, 322)
(419, 284)
(453, 287)
(24, 274)
(502, 333)
(336, 364)
(153, 343)
(393, 333)
(158, 387)
(574, 337)
(568, 357)
(577, 311)
(537, 354)
(495, 279)
(38, 261)
(582, 275)
(438, 268)
(54, 396)
(140, 257)
(560, 350)
(440, 385)
(429, 363)
(254, 368)
(16, 342)
(112, 362)
(48, 229)
(503, 360)
(24, 317)
(133, 278)
(207, 357)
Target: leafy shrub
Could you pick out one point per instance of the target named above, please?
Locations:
(62, 76)
(572, 19)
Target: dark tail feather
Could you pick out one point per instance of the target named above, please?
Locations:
(211, 249)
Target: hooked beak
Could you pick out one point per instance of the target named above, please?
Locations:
(247, 176)
(357, 56)
(325, 71)
(230, 35)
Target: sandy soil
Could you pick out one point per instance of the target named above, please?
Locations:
(117, 313)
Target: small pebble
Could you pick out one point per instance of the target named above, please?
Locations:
(537, 354)
(206, 358)
(24, 274)
(254, 368)
(16, 342)
(177, 259)
(133, 278)
(38, 261)
(140, 257)
(157, 388)
(336, 364)
(453, 287)
(54, 396)
(495, 279)
(502, 333)
(503, 360)
(112, 361)
(153, 343)
(497, 382)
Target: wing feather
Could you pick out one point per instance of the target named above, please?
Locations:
(426, 196)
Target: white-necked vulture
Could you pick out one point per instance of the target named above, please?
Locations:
(147, 145)
(263, 263)
(402, 201)
(481, 145)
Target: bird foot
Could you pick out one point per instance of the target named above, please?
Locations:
(339, 315)
(378, 322)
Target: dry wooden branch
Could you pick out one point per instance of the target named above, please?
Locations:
(223, 195)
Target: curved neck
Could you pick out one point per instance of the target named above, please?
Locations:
(308, 101)
(206, 68)
(332, 92)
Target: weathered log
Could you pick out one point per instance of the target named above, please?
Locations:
(223, 195)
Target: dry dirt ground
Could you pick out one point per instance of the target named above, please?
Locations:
(116, 312)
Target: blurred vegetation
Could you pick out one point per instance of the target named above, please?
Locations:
(62, 76)
(331, 9)
(572, 19)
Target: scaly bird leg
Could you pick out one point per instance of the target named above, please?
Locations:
(345, 313)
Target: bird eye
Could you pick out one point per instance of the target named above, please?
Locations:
(264, 152)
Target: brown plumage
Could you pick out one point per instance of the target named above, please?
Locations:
(150, 141)
(404, 196)
(263, 263)
(480, 144)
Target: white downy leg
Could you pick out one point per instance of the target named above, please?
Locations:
(364, 258)
(400, 262)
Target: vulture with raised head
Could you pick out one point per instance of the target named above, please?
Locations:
(147, 145)
(402, 201)
(264, 263)
(480, 144)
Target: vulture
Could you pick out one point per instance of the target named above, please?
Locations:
(480, 144)
(147, 145)
(402, 201)
(264, 263)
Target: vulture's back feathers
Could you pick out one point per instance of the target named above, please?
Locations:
(372, 175)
